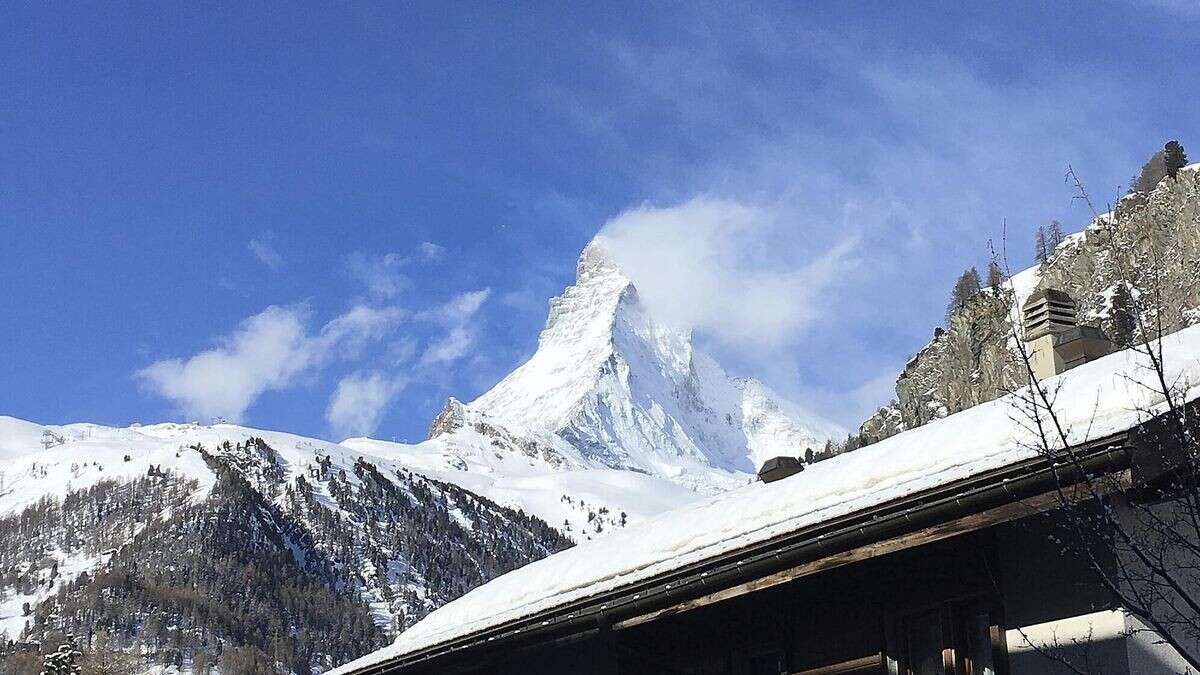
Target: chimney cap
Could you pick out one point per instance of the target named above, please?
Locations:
(1047, 311)
(778, 468)
(1052, 294)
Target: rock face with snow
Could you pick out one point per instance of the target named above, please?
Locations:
(611, 387)
(1157, 235)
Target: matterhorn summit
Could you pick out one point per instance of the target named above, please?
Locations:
(628, 392)
(611, 394)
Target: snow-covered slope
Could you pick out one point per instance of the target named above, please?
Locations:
(52, 460)
(583, 502)
(610, 388)
(382, 540)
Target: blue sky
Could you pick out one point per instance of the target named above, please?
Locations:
(327, 219)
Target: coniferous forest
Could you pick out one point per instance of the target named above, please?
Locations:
(258, 572)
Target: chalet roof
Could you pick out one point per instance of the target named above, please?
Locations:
(1105, 397)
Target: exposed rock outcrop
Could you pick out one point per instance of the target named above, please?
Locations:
(452, 418)
(1149, 243)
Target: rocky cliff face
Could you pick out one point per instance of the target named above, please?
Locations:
(964, 365)
(1149, 246)
(1155, 238)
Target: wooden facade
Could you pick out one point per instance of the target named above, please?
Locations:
(947, 607)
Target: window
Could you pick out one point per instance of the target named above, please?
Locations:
(980, 649)
(962, 638)
(924, 644)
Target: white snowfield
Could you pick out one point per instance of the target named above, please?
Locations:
(52, 460)
(79, 455)
(1101, 398)
(468, 460)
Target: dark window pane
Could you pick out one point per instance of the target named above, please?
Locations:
(923, 635)
(980, 637)
(764, 664)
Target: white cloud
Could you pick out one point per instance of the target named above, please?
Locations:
(459, 310)
(431, 251)
(456, 316)
(449, 348)
(908, 158)
(268, 352)
(717, 266)
(351, 331)
(266, 253)
(357, 405)
(382, 276)
(401, 351)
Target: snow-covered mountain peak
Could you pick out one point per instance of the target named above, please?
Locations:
(452, 418)
(597, 261)
(616, 417)
(612, 386)
(585, 312)
(573, 348)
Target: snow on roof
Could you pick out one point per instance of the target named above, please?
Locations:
(1095, 400)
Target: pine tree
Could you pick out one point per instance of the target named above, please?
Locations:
(62, 662)
(995, 276)
(105, 658)
(1152, 172)
(965, 289)
(1123, 322)
(1040, 246)
(1174, 158)
(1055, 237)
(853, 441)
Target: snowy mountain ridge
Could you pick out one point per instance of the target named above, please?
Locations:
(170, 508)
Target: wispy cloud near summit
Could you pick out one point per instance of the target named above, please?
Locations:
(719, 266)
